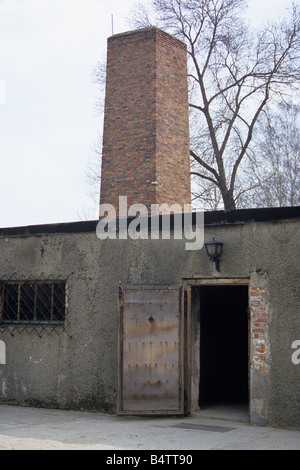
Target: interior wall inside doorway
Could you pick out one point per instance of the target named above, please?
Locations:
(222, 313)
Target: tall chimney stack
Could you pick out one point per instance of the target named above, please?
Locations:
(145, 152)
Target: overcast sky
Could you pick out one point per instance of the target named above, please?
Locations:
(48, 122)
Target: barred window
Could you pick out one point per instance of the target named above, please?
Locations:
(33, 302)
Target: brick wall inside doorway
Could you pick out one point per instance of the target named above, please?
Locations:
(259, 322)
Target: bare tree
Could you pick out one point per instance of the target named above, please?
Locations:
(93, 165)
(233, 73)
(93, 171)
(275, 162)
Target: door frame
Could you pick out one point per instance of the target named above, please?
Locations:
(192, 363)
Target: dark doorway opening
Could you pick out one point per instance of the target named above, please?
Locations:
(223, 344)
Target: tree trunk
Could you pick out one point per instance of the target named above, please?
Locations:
(228, 199)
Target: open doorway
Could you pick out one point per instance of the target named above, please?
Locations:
(223, 344)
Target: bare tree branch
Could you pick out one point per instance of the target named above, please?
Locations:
(234, 73)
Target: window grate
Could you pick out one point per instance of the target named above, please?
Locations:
(33, 304)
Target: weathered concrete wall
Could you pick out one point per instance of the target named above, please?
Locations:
(75, 371)
(268, 253)
(78, 370)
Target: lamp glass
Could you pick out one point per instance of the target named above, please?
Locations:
(210, 249)
(219, 247)
(214, 249)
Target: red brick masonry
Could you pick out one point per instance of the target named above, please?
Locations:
(146, 125)
(259, 321)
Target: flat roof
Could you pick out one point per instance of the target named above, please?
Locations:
(222, 217)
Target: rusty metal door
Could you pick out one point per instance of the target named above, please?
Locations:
(151, 350)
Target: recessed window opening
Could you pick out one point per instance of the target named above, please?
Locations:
(32, 302)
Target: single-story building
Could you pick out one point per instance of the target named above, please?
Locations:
(128, 314)
(139, 326)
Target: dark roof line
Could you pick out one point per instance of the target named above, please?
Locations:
(222, 217)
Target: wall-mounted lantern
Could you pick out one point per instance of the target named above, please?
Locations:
(214, 252)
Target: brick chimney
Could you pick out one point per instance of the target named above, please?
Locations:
(145, 152)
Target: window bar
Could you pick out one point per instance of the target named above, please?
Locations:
(2, 302)
(52, 301)
(19, 302)
(35, 303)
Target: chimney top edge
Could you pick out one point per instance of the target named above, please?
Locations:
(144, 30)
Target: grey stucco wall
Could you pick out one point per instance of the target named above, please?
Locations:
(78, 370)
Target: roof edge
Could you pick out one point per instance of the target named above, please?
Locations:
(211, 218)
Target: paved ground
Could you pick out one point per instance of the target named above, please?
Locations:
(41, 429)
